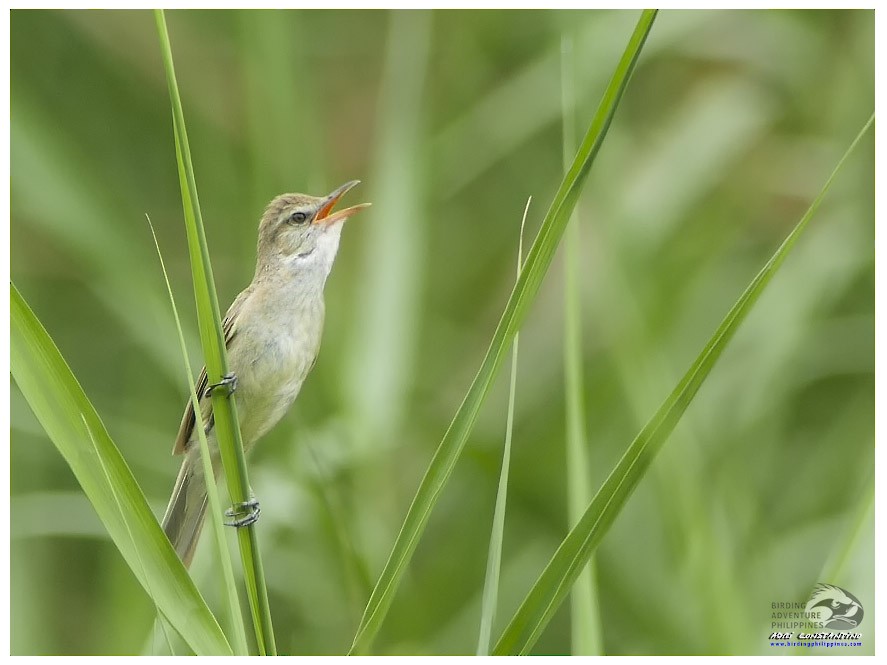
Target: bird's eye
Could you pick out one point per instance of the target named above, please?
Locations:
(298, 218)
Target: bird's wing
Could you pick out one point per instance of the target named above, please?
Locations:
(186, 429)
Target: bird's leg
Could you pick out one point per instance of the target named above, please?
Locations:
(243, 514)
(228, 383)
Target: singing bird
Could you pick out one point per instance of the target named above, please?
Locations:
(272, 333)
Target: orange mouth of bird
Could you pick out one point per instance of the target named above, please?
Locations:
(326, 215)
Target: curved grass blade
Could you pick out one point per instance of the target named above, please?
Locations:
(75, 428)
(570, 558)
(494, 556)
(160, 620)
(537, 263)
(213, 342)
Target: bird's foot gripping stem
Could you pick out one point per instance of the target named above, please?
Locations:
(243, 514)
(228, 384)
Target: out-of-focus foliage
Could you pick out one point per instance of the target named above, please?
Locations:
(731, 124)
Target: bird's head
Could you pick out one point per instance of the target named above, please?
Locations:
(301, 232)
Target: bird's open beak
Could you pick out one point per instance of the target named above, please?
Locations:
(326, 215)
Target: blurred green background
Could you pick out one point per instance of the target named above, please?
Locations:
(730, 126)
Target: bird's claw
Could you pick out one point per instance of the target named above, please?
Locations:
(243, 514)
(228, 383)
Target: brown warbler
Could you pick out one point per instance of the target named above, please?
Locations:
(272, 333)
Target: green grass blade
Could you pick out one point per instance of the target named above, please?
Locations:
(570, 558)
(212, 492)
(535, 267)
(122, 511)
(585, 638)
(834, 571)
(213, 341)
(836, 567)
(494, 557)
(72, 424)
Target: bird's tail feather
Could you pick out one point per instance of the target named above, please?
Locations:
(187, 507)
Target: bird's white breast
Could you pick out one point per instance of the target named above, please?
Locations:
(277, 341)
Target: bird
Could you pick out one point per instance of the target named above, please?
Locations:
(272, 335)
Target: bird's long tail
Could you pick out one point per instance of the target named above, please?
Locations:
(187, 507)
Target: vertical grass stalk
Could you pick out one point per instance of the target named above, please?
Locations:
(494, 557)
(213, 343)
(238, 640)
(585, 628)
